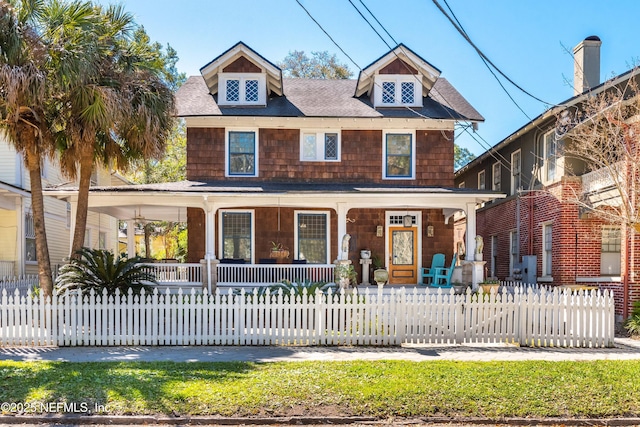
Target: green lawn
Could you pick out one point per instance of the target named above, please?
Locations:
(381, 389)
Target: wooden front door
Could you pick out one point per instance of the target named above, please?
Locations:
(403, 262)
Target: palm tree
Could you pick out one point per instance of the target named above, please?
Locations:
(24, 99)
(122, 113)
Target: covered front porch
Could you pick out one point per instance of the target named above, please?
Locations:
(235, 227)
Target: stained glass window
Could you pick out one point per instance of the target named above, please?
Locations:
(331, 146)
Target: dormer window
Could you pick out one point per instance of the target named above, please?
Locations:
(397, 91)
(242, 89)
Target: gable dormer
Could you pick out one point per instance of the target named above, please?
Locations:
(400, 78)
(242, 77)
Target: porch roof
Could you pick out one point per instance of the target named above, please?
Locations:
(168, 201)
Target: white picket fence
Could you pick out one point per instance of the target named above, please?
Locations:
(22, 284)
(530, 318)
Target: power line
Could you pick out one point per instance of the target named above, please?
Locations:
(482, 55)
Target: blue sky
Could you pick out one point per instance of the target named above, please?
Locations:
(529, 40)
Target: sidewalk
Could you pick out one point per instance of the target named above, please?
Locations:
(625, 349)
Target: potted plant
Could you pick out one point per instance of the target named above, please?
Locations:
(490, 285)
(380, 274)
(278, 251)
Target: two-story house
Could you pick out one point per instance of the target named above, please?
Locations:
(301, 163)
(17, 236)
(537, 234)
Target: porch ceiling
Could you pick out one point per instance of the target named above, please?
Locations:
(168, 201)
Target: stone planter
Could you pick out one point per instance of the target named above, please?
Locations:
(380, 276)
(365, 254)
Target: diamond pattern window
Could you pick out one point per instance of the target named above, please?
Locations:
(233, 90)
(388, 92)
(251, 90)
(407, 92)
(320, 146)
(331, 146)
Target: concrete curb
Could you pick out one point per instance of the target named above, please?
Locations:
(297, 420)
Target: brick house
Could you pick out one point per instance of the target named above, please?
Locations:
(300, 163)
(535, 234)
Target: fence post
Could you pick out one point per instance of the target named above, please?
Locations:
(459, 316)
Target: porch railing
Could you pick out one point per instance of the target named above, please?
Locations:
(7, 269)
(602, 178)
(268, 274)
(176, 275)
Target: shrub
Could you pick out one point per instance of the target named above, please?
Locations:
(632, 324)
(99, 269)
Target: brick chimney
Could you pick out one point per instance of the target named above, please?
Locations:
(586, 65)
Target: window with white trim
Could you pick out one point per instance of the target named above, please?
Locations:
(312, 236)
(236, 234)
(481, 180)
(516, 171)
(514, 253)
(87, 238)
(611, 246)
(102, 240)
(242, 150)
(397, 90)
(496, 172)
(30, 253)
(398, 155)
(319, 146)
(241, 89)
(550, 156)
(461, 184)
(547, 248)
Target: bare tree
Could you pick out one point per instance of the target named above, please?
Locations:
(602, 135)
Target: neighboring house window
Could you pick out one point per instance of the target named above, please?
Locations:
(320, 146)
(241, 89)
(514, 252)
(102, 240)
(610, 251)
(461, 185)
(397, 90)
(516, 172)
(237, 234)
(494, 256)
(550, 156)
(398, 152)
(481, 180)
(312, 237)
(87, 238)
(547, 245)
(242, 150)
(30, 238)
(496, 171)
(68, 215)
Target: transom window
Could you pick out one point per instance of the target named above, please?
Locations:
(399, 160)
(237, 235)
(320, 146)
(312, 237)
(241, 89)
(241, 153)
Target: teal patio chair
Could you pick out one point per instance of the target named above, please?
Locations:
(442, 277)
(429, 274)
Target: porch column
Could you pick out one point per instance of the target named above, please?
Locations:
(341, 210)
(131, 237)
(210, 261)
(471, 231)
(72, 223)
(20, 237)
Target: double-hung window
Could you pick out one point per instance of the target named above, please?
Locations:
(481, 180)
(547, 248)
(399, 155)
(550, 156)
(610, 251)
(516, 172)
(312, 236)
(242, 150)
(496, 171)
(514, 252)
(319, 146)
(236, 234)
(30, 238)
